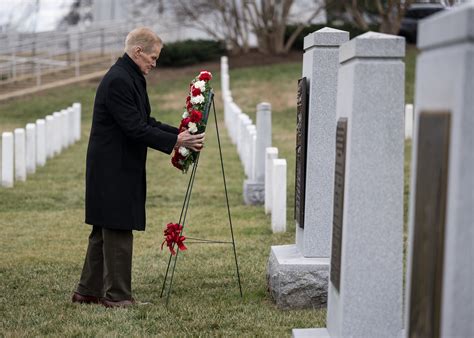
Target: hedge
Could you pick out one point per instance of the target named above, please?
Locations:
(188, 52)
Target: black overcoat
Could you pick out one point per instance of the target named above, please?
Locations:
(122, 129)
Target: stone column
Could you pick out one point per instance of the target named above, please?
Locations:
(20, 155)
(303, 283)
(40, 142)
(366, 273)
(440, 270)
(254, 186)
(30, 148)
(270, 154)
(7, 160)
(320, 67)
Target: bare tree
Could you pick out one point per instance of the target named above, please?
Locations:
(390, 13)
(232, 20)
(148, 7)
(269, 18)
(221, 19)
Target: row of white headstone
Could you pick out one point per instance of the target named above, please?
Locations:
(29, 147)
(265, 172)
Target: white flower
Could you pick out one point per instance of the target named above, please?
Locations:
(201, 85)
(192, 128)
(197, 99)
(183, 151)
(185, 114)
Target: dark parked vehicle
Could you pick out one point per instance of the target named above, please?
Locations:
(416, 12)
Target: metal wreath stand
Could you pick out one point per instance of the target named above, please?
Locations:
(168, 280)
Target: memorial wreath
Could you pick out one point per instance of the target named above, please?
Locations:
(193, 119)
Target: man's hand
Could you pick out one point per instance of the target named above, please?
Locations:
(190, 141)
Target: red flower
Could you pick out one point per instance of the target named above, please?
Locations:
(184, 123)
(189, 106)
(176, 158)
(196, 116)
(188, 99)
(195, 91)
(205, 76)
(173, 236)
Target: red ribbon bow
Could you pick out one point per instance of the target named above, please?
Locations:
(172, 235)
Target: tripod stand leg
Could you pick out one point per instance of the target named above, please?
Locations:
(185, 203)
(185, 208)
(227, 199)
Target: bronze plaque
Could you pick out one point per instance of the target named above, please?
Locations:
(338, 206)
(301, 142)
(430, 210)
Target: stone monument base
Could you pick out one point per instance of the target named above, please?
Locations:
(297, 282)
(306, 333)
(322, 333)
(254, 192)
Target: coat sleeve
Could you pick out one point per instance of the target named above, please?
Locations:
(121, 104)
(163, 126)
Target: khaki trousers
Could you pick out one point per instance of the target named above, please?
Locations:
(107, 270)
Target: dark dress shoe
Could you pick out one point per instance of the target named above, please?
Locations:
(120, 303)
(84, 299)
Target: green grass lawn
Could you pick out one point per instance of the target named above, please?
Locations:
(44, 238)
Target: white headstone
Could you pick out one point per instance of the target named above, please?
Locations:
(248, 149)
(30, 148)
(271, 153)
(233, 122)
(64, 128)
(441, 208)
(7, 160)
(264, 138)
(50, 136)
(253, 157)
(20, 155)
(408, 121)
(77, 107)
(225, 83)
(254, 186)
(57, 134)
(40, 142)
(71, 126)
(279, 195)
(244, 121)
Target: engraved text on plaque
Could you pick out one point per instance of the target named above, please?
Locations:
(339, 174)
(429, 222)
(301, 136)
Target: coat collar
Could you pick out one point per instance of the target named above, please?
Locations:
(130, 65)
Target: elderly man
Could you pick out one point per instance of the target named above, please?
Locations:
(122, 130)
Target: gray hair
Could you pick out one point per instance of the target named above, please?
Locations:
(142, 37)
